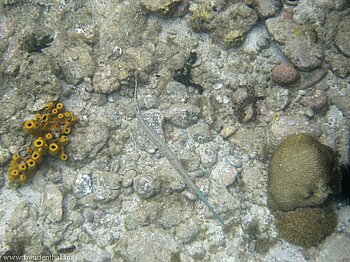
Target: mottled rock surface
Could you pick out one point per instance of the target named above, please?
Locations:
(76, 63)
(95, 137)
(38, 78)
(146, 186)
(232, 25)
(92, 206)
(298, 42)
(266, 8)
(334, 248)
(4, 155)
(182, 115)
(160, 7)
(342, 38)
(152, 241)
(53, 204)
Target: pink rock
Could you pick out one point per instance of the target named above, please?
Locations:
(284, 74)
(286, 15)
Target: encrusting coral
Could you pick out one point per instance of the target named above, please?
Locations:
(306, 226)
(49, 130)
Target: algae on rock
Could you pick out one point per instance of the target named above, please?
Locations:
(160, 7)
(201, 19)
(233, 24)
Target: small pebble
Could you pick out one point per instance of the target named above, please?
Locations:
(83, 185)
(291, 2)
(146, 186)
(182, 115)
(263, 42)
(208, 157)
(227, 131)
(229, 176)
(284, 74)
(128, 178)
(286, 15)
(53, 205)
(225, 173)
(186, 232)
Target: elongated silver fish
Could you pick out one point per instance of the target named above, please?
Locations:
(169, 154)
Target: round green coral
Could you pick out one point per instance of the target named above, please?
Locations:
(300, 173)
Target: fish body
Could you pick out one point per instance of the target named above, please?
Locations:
(169, 154)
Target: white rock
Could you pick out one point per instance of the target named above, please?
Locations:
(52, 204)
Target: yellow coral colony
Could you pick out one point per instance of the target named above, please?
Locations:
(49, 130)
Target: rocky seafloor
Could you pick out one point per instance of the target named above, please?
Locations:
(206, 85)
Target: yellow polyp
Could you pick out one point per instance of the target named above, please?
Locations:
(30, 127)
(50, 105)
(36, 156)
(49, 128)
(16, 157)
(31, 164)
(14, 173)
(44, 118)
(48, 137)
(29, 150)
(61, 119)
(67, 130)
(22, 178)
(54, 111)
(37, 116)
(60, 107)
(39, 143)
(63, 156)
(63, 140)
(22, 168)
(53, 149)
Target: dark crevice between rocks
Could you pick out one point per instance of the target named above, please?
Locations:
(183, 75)
(34, 44)
(249, 103)
(345, 190)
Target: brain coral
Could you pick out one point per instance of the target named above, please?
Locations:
(300, 173)
(306, 226)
